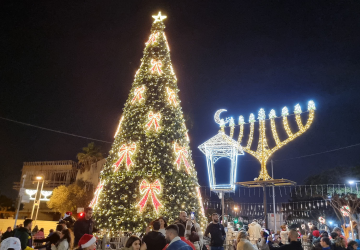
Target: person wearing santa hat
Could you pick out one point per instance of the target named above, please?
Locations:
(87, 242)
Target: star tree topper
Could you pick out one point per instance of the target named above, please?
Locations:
(159, 17)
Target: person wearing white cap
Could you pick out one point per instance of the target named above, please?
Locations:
(87, 242)
(11, 242)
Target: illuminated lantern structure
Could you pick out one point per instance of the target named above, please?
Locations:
(218, 147)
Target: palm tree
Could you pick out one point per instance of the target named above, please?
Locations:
(90, 154)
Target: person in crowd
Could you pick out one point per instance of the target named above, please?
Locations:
(217, 233)
(133, 243)
(284, 234)
(339, 243)
(262, 244)
(183, 219)
(88, 242)
(293, 245)
(84, 225)
(154, 240)
(303, 229)
(352, 245)
(254, 232)
(163, 225)
(63, 223)
(40, 234)
(339, 233)
(51, 231)
(325, 243)
(35, 230)
(243, 242)
(7, 234)
(10, 243)
(66, 241)
(51, 239)
(315, 235)
(172, 236)
(24, 234)
(182, 235)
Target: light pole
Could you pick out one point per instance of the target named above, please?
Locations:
(21, 193)
(37, 199)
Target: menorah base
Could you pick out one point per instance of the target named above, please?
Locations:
(264, 176)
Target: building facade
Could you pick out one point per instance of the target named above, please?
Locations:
(54, 174)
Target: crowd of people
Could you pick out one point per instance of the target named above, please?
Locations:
(260, 238)
(183, 234)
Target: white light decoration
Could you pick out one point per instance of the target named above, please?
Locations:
(297, 110)
(159, 17)
(217, 116)
(251, 118)
(272, 114)
(231, 122)
(241, 120)
(30, 192)
(218, 147)
(44, 193)
(311, 105)
(261, 114)
(284, 111)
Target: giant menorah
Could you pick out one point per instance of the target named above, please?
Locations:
(263, 151)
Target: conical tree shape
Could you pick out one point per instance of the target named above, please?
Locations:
(149, 171)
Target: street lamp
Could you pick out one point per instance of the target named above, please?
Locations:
(39, 178)
(351, 182)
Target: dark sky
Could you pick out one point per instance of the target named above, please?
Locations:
(69, 66)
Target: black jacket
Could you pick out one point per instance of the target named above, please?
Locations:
(52, 239)
(24, 235)
(7, 235)
(154, 241)
(293, 245)
(81, 227)
(217, 234)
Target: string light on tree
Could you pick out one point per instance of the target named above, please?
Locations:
(96, 194)
(152, 38)
(119, 126)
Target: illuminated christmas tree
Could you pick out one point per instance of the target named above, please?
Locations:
(149, 171)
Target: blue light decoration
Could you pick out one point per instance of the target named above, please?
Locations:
(221, 145)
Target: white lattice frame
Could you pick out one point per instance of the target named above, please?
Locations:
(218, 147)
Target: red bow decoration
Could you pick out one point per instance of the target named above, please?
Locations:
(152, 38)
(138, 94)
(96, 194)
(172, 96)
(156, 66)
(150, 189)
(182, 154)
(154, 119)
(125, 151)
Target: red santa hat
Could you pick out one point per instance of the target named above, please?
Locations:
(86, 240)
(67, 214)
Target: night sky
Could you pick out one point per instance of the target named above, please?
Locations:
(70, 66)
